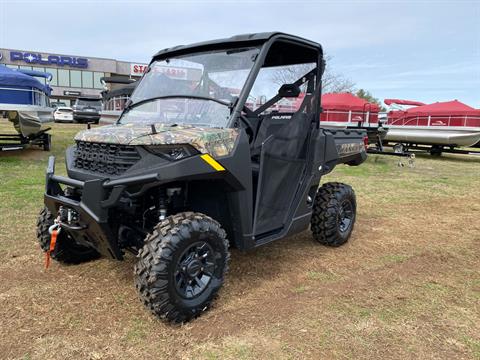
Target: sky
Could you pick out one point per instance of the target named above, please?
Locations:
(419, 50)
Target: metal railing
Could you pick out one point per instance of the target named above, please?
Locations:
(116, 103)
(436, 121)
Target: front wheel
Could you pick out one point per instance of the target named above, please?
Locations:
(334, 213)
(182, 266)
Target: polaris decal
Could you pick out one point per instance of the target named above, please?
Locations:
(281, 117)
(350, 148)
(60, 60)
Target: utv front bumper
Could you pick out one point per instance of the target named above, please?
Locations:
(95, 201)
(98, 197)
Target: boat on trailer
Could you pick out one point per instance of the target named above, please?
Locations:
(438, 127)
(346, 110)
(24, 102)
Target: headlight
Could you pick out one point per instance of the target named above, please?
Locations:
(173, 152)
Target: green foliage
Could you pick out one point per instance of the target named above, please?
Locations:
(366, 95)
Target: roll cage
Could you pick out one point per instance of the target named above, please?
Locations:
(275, 49)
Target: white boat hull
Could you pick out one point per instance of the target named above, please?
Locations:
(28, 120)
(428, 135)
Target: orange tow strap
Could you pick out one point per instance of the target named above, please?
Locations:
(53, 241)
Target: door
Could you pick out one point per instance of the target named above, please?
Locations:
(282, 169)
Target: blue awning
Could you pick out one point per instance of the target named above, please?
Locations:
(10, 78)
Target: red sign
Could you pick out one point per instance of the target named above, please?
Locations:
(171, 72)
(138, 69)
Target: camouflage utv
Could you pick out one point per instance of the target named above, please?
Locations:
(220, 146)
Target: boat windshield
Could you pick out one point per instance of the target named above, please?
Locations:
(191, 89)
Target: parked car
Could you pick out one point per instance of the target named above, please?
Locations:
(87, 110)
(63, 114)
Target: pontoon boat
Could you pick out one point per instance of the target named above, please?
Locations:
(24, 101)
(442, 124)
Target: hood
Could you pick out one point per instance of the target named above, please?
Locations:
(215, 141)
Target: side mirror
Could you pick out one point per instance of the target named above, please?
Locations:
(289, 90)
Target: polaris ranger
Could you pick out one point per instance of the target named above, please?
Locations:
(219, 146)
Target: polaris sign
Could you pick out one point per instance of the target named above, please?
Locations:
(60, 60)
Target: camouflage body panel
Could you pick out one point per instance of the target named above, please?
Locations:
(214, 141)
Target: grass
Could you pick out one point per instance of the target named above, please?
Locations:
(407, 285)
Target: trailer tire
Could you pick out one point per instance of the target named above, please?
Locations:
(334, 213)
(436, 150)
(47, 142)
(171, 273)
(66, 250)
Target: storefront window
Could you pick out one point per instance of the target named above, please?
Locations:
(75, 78)
(87, 79)
(96, 80)
(12, 66)
(54, 73)
(63, 77)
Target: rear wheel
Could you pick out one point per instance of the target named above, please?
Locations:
(66, 249)
(182, 266)
(334, 213)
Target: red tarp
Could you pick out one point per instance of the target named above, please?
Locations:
(447, 108)
(448, 113)
(337, 108)
(347, 101)
(403, 102)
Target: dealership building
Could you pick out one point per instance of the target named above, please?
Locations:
(72, 76)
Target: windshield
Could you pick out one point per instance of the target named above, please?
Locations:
(216, 75)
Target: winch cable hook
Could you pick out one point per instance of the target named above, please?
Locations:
(53, 230)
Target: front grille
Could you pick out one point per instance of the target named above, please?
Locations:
(109, 159)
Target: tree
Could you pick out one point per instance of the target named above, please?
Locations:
(366, 95)
(332, 82)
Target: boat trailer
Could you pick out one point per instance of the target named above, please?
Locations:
(434, 150)
(10, 142)
(410, 156)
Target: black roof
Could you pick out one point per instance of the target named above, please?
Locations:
(124, 90)
(89, 98)
(234, 41)
(116, 80)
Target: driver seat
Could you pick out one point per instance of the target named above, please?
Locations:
(269, 125)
